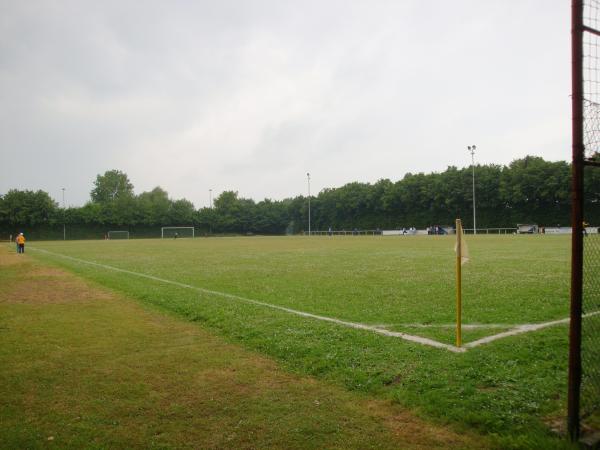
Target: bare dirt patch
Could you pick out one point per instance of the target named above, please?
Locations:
(34, 283)
(8, 258)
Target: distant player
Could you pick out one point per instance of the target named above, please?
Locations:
(20, 243)
(176, 235)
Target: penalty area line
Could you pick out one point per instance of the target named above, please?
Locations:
(355, 325)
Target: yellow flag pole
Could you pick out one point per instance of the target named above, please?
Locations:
(458, 283)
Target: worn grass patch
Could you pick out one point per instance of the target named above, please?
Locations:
(85, 367)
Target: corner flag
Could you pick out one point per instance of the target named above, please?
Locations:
(462, 256)
(461, 249)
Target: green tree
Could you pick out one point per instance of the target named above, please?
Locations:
(111, 186)
(26, 208)
(181, 212)
(270, 217)
(536, 191)
(227, 212)
(591, 183)
(154, 207)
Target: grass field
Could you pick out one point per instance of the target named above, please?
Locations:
(510, 389)
(86, 368)
(397, 283)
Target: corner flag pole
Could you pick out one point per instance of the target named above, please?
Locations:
(458, 283)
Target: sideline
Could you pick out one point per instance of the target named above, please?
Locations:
(359, 326)
(518, 329)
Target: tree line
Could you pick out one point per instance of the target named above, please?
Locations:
(528, 190)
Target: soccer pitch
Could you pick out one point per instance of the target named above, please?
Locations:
(280, 295)
(398, 284)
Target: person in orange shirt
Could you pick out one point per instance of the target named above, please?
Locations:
(20, 243)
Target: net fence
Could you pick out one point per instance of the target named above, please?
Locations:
(591, 79)
(118, 234)
(590, 337)
(590, 331)
(177, 232)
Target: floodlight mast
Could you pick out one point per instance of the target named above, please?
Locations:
(211, 207)
(472, 149)
(308, 178)
(64, 220)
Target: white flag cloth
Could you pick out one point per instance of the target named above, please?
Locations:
(464, 250)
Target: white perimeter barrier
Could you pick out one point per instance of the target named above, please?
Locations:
(400, 232)
(567, 230)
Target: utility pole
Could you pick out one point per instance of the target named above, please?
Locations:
(64, 219)
(308, 177)
(472, 149)
(210, 215)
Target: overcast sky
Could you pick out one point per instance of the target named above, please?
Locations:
(251, 95)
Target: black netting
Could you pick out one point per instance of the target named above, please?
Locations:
(590, 338)
(591, 80)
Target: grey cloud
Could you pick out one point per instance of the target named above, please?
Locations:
(252, 95)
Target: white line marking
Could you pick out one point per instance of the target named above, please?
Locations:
(360, 326)
(471, 326)
(525, 328)
(519, 329)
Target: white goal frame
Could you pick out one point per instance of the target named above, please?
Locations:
(162, 230)
(117, 231)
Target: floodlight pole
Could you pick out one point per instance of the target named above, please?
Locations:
(308, 178)
(472, 149)
(210, 215)
(64, 221)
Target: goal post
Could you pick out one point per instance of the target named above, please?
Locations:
(117, 234)
(177, 232)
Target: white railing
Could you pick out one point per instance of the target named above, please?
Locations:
(344, 233)
(491, 230)
(407, 232)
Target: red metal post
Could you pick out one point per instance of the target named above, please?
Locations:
(576, 220)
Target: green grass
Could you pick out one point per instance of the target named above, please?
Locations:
(511, 279)
(83, 369)
(508, 389)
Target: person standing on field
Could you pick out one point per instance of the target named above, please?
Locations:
(20, 243)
